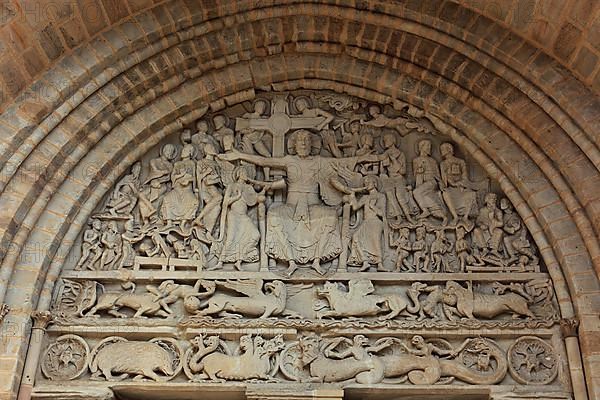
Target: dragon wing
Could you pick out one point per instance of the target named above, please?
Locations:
(293, 290)
(248, 287)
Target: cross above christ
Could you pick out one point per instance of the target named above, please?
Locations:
(279, 123)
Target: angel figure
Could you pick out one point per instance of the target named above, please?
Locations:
(379, 120)
(252, 139)
(238, 234)
(305, 110)
(366, 245)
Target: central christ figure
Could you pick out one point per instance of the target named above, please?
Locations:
(305, 228)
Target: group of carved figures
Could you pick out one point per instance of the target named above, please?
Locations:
(309, 358)
(255, 298)
(308, 181)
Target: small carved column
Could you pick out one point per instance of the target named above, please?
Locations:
(3, 311)
(41, 320)
(287, 394)
(568, 328)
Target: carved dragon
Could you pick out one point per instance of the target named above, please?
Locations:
(255, 302)
(254, 362)
(359, 301)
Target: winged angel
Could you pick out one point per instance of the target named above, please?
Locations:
(260, 299)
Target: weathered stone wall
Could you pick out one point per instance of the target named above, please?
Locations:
(74, 120)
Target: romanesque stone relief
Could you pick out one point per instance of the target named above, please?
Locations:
(309, 358)
(305, 238)
(313, 183)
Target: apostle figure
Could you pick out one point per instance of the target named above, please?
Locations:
(427, 176)
(456, 187)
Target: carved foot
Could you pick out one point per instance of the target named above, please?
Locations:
(291, 268)
(316, 265)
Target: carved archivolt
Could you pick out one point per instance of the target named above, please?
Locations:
(306, 237)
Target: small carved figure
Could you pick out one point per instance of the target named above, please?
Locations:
(161, 167)
(462, 248)
(112, 247)
(91, 248)
(439, 247)
(140, 359)
(252, 139)
(207, 174)
(153, 303)
(124, 196)
(168, 292)
(466, 303)
(221, 129)
(488, 233)
(359, 301)
(180, 204)
(421, 251)
(427, 176)
(306, 111)
(366, 247)
(379, 120)
(128, 239)
(403, 250)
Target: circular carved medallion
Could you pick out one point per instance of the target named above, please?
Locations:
(532, 361)
(66, 358)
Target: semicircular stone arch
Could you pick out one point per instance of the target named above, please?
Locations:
(143, 81)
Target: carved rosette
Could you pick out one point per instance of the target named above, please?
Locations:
(66, 358)
(532, 361)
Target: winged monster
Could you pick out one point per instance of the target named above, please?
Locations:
(256, 299)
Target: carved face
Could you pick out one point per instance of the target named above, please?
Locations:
(490, 200)
(219, 121)
(418, 341)
(388, 140)
(374, 111)
(424, 148)
(301, 104)
(446, 150)
(361, 340)
(303, 144)
(202, 127)
(260, 107)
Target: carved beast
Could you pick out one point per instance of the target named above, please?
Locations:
(141, 359)
(466, 303)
